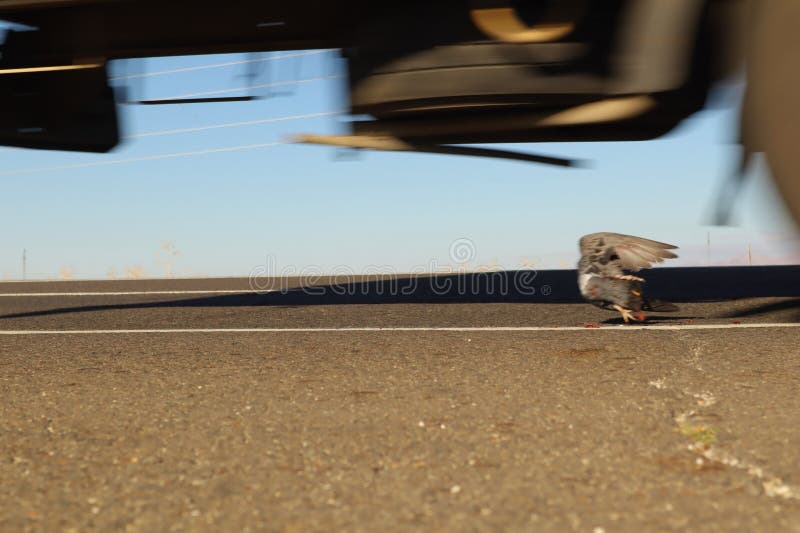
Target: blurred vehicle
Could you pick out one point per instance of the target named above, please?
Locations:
(427, 75)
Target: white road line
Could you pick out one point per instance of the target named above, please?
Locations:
(126, 293)
(112, 280)
(477, 329)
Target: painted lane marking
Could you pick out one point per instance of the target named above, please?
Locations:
(465, 329)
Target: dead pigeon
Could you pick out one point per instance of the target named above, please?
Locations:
(602, 272)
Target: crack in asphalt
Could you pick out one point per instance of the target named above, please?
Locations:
(773, 486)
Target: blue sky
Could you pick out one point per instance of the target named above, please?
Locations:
(223, 213)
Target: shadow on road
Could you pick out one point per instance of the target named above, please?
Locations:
(763, 309)
(520, 286)
(653, 319)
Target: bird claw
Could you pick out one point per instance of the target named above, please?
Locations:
(627, 315)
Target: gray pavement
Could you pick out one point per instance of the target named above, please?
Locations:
(583, 429)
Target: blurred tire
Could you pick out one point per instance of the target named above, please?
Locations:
(771, 111)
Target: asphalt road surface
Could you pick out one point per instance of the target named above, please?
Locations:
(377, 405)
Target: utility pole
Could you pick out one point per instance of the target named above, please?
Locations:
(708, 248)
(24, 264)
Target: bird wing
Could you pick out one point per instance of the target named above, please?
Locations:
(613, 252)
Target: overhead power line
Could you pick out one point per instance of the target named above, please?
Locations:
(177, 131)
(218, 65)
(232, 124)
(145, 158)
(247, 87)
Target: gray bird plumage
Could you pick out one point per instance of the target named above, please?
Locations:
(602, 272)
